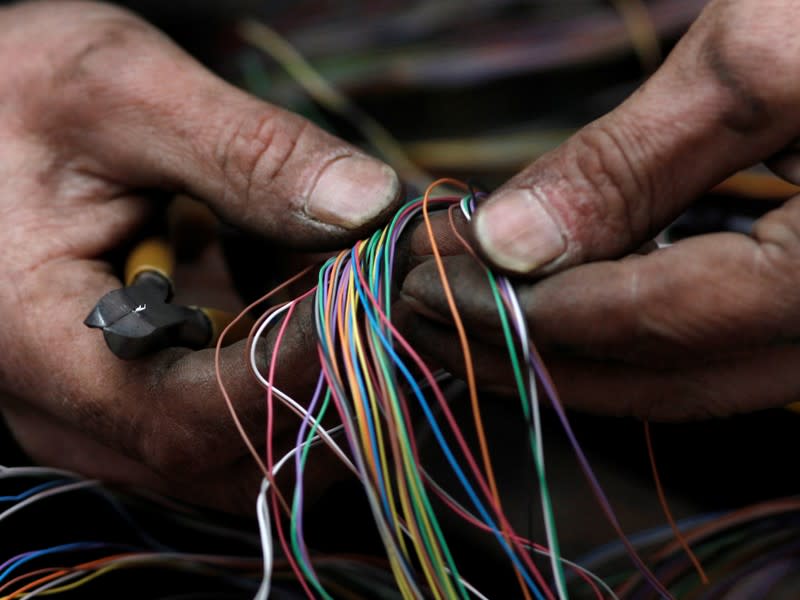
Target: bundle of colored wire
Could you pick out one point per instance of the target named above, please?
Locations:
(751, 552)
(148, 547)
(374, 380)
(34, 569)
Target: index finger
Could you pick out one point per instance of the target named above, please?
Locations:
(710, 110)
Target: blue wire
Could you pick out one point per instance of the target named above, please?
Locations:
(29, 556)
(443, 443)
(34, 490)
(327, 341)
(365, 302)
(367, 408)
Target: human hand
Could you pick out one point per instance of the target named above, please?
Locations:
(705, 327)
(96, 109)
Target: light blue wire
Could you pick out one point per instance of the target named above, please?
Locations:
(372, 436)
(443, 444)
(373, 323)
(29, 556)
(33, 490)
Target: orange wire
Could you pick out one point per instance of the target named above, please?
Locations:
(667, 512)
(467, 246)
(66, 571)
(10, 583)
(224, 391)
(468, 364)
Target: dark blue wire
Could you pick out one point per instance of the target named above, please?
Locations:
(442, 442)
(27, 557)
(367, 408)
(34, 490)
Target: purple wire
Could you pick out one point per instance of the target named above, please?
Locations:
(349, 435)
(550, 390)
(402, 222)
(507, 290)
(299, 470)
(16, 558)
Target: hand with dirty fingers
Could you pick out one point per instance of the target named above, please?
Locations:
(97, 109)
(706, 327)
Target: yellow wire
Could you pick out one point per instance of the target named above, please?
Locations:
(379, 430)
(642, 31)
(84, 580)
(353, 331)
(468, 363)
(394, 564)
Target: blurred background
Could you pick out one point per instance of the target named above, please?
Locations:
(476, 89)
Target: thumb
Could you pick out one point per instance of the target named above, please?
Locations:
(711, 110)
(150, 115)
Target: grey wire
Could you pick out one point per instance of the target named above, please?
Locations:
(55, 491)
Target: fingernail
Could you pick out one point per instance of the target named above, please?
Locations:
(352, 192)
(517, 233)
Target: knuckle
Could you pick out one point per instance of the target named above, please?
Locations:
(608, 162)
(74, 52)
(253, 155)
(96, 48)
(749, 66)
(113, 33)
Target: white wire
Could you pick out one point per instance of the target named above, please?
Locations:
(265, 529)
(533, 394)
(469, 586)
(551, 534)
(264, 522)
(54, 491)
(298, 408)
(262, 512)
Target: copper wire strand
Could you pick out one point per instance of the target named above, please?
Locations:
(218, 371)
(462, 240)
(469, 367)
(667, 512)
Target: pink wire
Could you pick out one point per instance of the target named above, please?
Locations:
(455, 429)
(270, 463)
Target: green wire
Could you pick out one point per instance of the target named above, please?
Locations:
(412, 475)
(538, 458)
(421, 507)
(312, 578)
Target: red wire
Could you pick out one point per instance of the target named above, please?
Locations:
(270, 464)
(455, 430)
(522, 540)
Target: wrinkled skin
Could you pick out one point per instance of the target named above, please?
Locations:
(706, 327)
(97, 108)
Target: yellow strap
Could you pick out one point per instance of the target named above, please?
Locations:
(153, 254)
